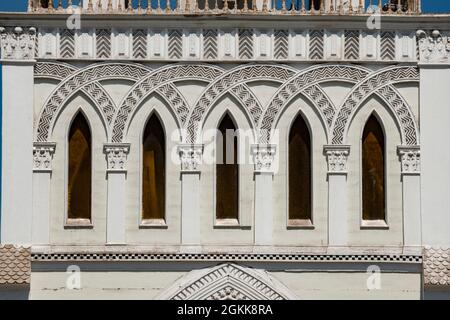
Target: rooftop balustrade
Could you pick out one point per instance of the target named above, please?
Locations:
(230, 7)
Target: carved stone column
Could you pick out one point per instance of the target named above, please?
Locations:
(264, 161)
(116, 158)
(337, 156)
(17, 58)
(434, 95)
(42, 169)
(191, 158)
(410, 163)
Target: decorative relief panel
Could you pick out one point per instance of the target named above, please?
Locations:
(410, 159)
(190, 157)
(18, 43)
(337, 156)
(229, 44)
(436, 266)
(434, 47)
(227, 282)
(264, 158)
(42, 156)
(116, 156)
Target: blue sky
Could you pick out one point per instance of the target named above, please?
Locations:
(428, 5)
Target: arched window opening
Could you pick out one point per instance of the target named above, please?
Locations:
(80, 171)
(153, 172)
(300, 180)
(227, 172)
(373, 171)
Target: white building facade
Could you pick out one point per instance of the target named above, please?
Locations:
(127, 89)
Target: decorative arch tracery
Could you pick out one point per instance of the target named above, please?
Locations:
(163, 82)
(227, 282)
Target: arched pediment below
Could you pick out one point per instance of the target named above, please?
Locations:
(227, 282)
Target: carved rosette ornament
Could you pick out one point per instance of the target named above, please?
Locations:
(337, 156)
(42, 156)
(17, 43)
(116, 156)
(190, 157)
(264, 158)
(434, 47)
(410, 159)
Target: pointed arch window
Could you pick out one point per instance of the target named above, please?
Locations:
(300, 180)
(227, 172)
(80, 171)
(373, 171)
(154, 172)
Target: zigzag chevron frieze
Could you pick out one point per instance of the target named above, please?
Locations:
(363, 90)
(281, 48)
(57, 71)
(316, 46)
(158, 78)
(103, 41)
(302, 81)
(351, 49)
(210, 44)
(175, 44)
(245, 44)
(387, 45)
(76, 82)
(140, 44)
(234, 82)
(67, 44)
(228, 80)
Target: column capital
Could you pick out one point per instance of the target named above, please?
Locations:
(17, 43)
(116, 156)
(434, 47)
(410, 159)
(337, 156)
(190, 157)
(43, 155)
(264, 157)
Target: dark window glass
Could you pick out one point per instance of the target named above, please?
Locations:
(373, 175)
(153, 171)
(299, 171)
(80, 169)
(227, 170)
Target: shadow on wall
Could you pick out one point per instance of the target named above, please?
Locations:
(14, 292)
(436, 294)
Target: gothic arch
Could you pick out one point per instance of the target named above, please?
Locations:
(158, 81)
(306, 83)
(86, 78)
(227, 282)
(225, 83)
(380, 83)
